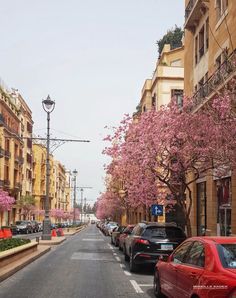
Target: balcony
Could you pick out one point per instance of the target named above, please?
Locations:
(19, 160)
(193, 12)
(217, 81)
(2, 152)
(1, 183)
(7, 154)
(6, 183)
(17, 186)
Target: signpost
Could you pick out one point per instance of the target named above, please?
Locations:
(157, 210)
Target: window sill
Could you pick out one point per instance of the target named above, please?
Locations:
(221, 19)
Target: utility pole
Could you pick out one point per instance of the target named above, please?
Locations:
(74, 174)
(85, 209)
(82, 199)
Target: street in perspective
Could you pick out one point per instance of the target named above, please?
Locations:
(118, 149)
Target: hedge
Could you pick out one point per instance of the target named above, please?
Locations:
(6, 244)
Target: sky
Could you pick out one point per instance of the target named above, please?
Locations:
(92, 57)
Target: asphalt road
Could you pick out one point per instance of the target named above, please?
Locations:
(28, 236)
(84, 266)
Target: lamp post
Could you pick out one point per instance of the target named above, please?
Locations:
(48, 106)
(74, 174)
(82, 192)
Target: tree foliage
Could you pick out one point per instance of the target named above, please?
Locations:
(172, 37)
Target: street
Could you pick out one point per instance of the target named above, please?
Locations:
(84, 266)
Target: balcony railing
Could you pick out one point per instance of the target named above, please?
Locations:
(6, 183)
(7, 154)
(193, 12)
(19, 160)
(17, 185)
(2, 152)
(217, 80)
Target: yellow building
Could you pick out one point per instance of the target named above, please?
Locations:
(210, 55)
(39, 178)
(60, 199)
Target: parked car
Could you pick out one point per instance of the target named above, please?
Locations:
(123, 235)
(109, 227)
(149, 241)
(199, 267)
(115, 234)
(35, 226)
(24, 226)
(40, 226)
(13, 229)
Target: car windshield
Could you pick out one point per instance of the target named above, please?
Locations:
(227, 254)
(164, 232)
(20, 222)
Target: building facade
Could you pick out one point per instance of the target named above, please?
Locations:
(210, 55)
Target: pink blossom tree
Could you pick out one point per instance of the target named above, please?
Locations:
(58, 214)
(6, 203)
(109, 206)
(172, 148)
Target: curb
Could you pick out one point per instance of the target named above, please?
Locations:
(23, 264)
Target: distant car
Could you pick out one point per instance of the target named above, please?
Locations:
(149, 241)
(13, 229)
(127, 231)
(24, 226)
(40, 226)
(115, 234)
(35, 226)
(93, 222)
(199, 267)
(109, 228)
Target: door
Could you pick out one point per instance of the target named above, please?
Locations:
(191, 269)
(169, 276)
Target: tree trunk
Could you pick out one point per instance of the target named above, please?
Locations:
(188, 226)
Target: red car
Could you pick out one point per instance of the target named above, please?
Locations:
(124, 234)
(201, 267)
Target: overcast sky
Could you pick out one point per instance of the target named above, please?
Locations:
(92, 57)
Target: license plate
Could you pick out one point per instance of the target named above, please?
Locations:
(167, 247)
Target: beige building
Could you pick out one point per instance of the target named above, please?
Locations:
(11, 149)
(210, 55)
(60, 200)
(167, 80)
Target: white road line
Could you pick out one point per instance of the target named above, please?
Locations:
(136, 286)
(122, 265)
(145, 285)
(115, 254)
(127, 273)
(110, 246)
(118, 259)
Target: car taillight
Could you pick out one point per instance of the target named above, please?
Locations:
(142, 241)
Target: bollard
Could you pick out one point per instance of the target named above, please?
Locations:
(37, 239)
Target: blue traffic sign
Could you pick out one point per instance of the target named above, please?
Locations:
(157, 210)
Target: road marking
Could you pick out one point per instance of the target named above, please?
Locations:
(127, 273)
(145, 285)
(110, 246)
(136, 286)
(118, 259)
(88, 239)
(122, 265)
(115, 254)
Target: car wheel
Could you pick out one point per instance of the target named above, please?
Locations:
(132, 265)
(157, 286)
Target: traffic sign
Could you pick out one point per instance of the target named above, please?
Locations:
(157, 210)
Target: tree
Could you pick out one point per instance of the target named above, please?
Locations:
(26, 204)
(108, 206)
(172, 37)
(6, 203)
(58, 214)
(172, 148)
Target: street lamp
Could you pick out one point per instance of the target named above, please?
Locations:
(82, 192)
(74, 174)
(48, 106)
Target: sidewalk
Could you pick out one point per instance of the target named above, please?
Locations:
(13, 267)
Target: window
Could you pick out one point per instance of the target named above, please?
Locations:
(177, 94)
(164, 232)
(221, 6)
(201, 42)
(196, 255)
(181, 252)
(207, 33)
(227, 254)
(196, 49)
(154, 100)
(29, 127)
